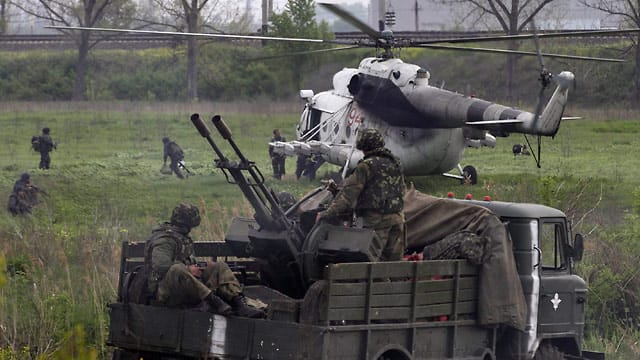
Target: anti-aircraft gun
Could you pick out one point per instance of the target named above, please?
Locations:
(290, 247)
(518, 298)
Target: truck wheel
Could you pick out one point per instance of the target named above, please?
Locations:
(547, 351)
(394, 355)
(470, 175)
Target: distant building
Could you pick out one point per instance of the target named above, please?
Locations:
(436, 15)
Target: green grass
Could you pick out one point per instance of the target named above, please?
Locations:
(105, 187)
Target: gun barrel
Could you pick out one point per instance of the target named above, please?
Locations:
(276, 215)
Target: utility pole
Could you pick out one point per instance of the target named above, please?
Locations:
(267, 10)
(382, 9)
(416, 11)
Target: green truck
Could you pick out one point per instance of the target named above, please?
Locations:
(327, 299)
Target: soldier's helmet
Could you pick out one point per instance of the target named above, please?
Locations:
(286, 200)
(186, 215)
(165, 139)
(46, 130)
(369, 139)
(25, 176)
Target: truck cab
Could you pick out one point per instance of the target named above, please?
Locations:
(545, 252)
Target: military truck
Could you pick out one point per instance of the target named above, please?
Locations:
(327, 298)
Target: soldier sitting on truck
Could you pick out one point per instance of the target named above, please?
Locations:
(174, 278)
(374, 191)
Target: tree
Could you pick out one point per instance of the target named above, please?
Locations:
(85, 13)
(298, 21)
(628, 11)
(512, 17)
(196, 16)
(4, 15)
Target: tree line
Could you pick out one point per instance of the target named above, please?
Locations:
(297, 20)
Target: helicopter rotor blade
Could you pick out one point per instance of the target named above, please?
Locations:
(585, 33)
(303, 53)
(177, 33)
(352, 20)
(517, 52)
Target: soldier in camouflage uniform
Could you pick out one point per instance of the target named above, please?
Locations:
(175, 153)
(23, 197)
(374, 191)
(46, 146)
(277, 159)
(175, 279)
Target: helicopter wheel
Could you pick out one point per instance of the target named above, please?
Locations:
(469, 175)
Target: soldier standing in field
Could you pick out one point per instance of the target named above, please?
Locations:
(277, 160)
(46, 146)
(374, 190)
(174, 278)
(175, 153)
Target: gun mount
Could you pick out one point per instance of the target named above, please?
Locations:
(292, 249)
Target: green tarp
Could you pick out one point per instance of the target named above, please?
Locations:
(430, 219)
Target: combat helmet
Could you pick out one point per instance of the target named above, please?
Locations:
(186, 215)
(286, 200)
(369, 139)
(165, 140)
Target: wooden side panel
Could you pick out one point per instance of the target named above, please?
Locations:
(401, 291)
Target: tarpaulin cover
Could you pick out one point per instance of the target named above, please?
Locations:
(429, 219)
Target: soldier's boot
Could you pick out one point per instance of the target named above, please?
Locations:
(241, 308)
(217, 305)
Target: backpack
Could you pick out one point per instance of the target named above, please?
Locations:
(36, 143)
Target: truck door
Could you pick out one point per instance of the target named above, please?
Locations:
(562, 294)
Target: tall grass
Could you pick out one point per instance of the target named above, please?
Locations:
(105, 187)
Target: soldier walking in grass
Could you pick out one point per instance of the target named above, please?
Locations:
(277, 159)
(374, 190)
(175, 153)
(174, 278)
(44, 145)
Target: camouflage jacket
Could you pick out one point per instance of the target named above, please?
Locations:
(168, 245)
(173, 151)
(46, 143)
(374, 190)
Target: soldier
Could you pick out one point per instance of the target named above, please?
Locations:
(174, 152)
(277, 160)
(175, 279)
(374, 191)
(46, 146)
(23, 197)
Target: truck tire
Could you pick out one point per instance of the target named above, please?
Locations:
(548, 351)
(394, 354)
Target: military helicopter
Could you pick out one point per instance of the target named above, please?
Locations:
(427, 127)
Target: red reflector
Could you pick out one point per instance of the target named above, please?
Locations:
(487, 198)
(450, 195)
(468, 197)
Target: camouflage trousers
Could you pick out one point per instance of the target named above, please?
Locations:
(45, 160)
(176, 168)
(180, 288)
(388, 243)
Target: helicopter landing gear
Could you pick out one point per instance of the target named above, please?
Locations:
(468, 175)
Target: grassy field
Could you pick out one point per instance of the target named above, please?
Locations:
(105, 187)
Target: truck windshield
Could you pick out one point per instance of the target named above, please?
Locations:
(552, 237)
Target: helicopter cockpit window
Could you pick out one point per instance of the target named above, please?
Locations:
(552, 238)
